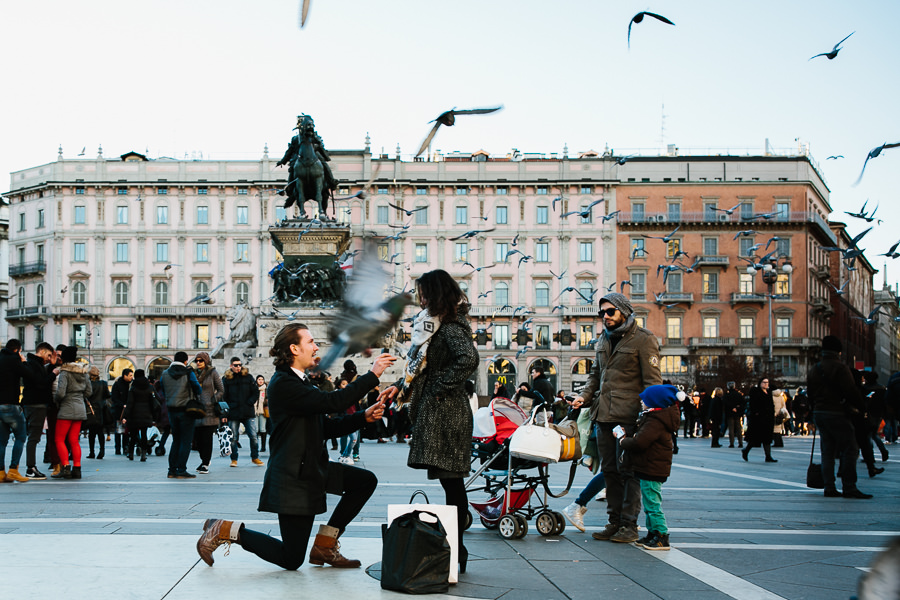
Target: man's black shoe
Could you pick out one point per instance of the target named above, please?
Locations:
(832, 493)
(185, 475)
(856, 494)
(875, 471)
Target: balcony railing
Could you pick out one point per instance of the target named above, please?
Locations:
(29, 268)
(737, 297)
(673, 341)
(153, 310)
(712, 341)
(26, 312)
(792, 341)
(670, 297)
(76, 310)
(709, 260)
(747, 342)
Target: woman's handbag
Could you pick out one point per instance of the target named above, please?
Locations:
(221, 409)
(415, 557)
(449, 518)
(194, 408)
(539, 443)
(814, 477)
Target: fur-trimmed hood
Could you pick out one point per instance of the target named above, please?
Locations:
(230, 374)
(75, 367)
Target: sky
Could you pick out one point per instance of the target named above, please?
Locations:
(227, 77)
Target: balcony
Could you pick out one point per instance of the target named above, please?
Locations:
(710, 260)
(791, 342)
(670, 297)
(28, 312)
(490, 310)
(673, 341)
(738, 297)
(80, 311)
(715, 342)
(213, 311)
(747, 342)
(30, 268)
(821, 272)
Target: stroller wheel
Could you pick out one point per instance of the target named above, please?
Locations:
(508, 527)
(546, 523)
(468, 522)
(560, 523)
(488, 524)
(523, 526)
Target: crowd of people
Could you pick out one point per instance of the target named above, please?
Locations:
(633, 416)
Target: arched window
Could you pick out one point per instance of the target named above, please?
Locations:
(586, 288)
(20, 297)
(464, 286)
(122, 293)
(162, 293)
(201, 289)
(542, 294)
(117, 365)
(242, 293)
(79, 293)
(504, 371)
(501, 293)
(582, 367)
(549, 371)
(39, 295)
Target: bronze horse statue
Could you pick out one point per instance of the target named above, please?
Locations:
(308, 171)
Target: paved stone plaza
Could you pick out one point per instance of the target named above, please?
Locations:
(738, 530)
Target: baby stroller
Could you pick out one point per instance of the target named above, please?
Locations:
(510, 482)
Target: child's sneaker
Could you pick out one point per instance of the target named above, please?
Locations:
(575, 514)
(587, 461)
(601, 496)
(657, 541)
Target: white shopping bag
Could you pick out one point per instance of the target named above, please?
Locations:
(448, 516)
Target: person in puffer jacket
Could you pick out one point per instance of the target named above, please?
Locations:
(650, 452)
(73, 388)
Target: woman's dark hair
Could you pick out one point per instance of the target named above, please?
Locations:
(759, 383)
(470, 387)
(441, 293)
(281, 346)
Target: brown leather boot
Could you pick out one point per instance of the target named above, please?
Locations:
(215, 533)
(326, 550)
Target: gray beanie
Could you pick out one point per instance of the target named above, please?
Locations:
(619, 301)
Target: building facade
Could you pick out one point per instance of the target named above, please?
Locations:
(110, 251)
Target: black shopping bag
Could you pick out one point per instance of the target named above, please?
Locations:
(415, 556)
(814, 477)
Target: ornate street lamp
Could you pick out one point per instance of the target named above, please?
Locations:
(769, 270)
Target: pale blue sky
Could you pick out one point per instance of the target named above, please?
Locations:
(225, 77)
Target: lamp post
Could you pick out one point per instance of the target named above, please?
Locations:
(769, 270)
(90, 341)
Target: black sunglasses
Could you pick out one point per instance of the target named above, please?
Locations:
(237, 365)
(609, 312)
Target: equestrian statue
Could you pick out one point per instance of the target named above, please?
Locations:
(309, 176)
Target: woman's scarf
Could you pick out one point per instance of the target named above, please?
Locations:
(424, 326)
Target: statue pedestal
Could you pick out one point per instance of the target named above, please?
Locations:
(299, 242)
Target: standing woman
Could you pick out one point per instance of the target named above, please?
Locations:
(73, 388)
(211, 392)
(262, 412)
(141, 411)
(760, 420)
(442, 357)
(101, 416)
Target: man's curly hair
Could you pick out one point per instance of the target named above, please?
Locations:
(281, 346)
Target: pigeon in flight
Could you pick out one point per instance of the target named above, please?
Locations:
(744, 233)
(560, 276)
(611, 215)
(472, 233)
(839, 291)
(304, 12)
(449, 119)
(874, 153)
(666, 238)
(892, 253)
(872, 319)
(207, 297)
(361, 194)
(409, 213)
(728, 211)
(834, 51)
(640, 17)
(835, 157)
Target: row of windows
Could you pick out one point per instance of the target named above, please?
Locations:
(501, 252)
(242, 215)
(541, 190)
(747, 246)
(201, 252)
(710, 329)
(678, 365)
(781, 210)
(160, 191)
(710, 283)
(461, 215)
(81, 336)
(122, 290)
(541, 338)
